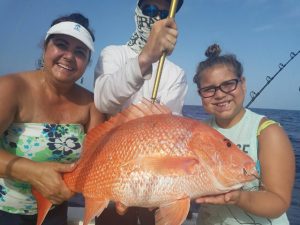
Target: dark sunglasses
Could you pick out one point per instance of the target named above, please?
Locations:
(226, 87)
(154, 11)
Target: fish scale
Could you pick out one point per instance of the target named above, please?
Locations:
(145, 156)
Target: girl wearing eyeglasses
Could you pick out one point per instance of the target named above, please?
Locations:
(222, 88)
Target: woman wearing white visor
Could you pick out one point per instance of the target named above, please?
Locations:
(44, 117)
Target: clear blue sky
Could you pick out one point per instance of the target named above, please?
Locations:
(262, 33)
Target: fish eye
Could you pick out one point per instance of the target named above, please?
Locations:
(228, 142)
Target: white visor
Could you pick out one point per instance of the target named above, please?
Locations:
(72, 29)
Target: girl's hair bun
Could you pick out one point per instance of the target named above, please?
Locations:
(213, 51)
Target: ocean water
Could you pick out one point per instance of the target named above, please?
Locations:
(290, 121)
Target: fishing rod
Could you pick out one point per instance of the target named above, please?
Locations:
(269, 79)
(172, 13)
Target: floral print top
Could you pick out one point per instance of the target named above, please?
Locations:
(38, 142)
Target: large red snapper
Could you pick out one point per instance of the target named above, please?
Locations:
(147, 157)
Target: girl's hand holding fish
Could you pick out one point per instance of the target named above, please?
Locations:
(231, 197)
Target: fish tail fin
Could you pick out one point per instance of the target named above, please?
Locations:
(43, 206)
(134, 111)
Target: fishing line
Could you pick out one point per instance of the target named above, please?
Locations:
(257, 177)
(244, 223)
(269, 79)
(254, 188)
(250, 217)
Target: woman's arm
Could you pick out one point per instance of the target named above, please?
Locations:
(95, 117)
(8, 111)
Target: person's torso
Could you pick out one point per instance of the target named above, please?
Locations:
(170, 75)
(38, 103)
(39, 142)
(244, 134)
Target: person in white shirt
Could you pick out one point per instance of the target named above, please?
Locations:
(125, 74)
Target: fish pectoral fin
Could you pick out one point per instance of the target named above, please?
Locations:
(93, 208)
(174, 213)
(43, 206)
(169, 166)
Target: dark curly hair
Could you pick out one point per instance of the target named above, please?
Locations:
(214, 58)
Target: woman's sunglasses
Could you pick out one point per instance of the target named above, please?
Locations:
(154, 11)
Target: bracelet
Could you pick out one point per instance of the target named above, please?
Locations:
(9, 166)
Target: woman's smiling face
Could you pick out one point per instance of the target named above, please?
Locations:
(66, 58)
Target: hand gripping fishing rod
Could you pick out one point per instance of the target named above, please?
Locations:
(254, 95)
(172, 12)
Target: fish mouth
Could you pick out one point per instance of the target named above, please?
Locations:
(223, 188)
(251, 174)
(245, 176)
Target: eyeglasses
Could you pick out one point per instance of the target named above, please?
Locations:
(226, 87)
(154, 11)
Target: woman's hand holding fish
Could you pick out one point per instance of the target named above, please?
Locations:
(162, 39)
(47, 179)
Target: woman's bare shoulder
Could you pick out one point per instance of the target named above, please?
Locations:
(15, 85)
(16, 80)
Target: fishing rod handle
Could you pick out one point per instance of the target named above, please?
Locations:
(172, 13)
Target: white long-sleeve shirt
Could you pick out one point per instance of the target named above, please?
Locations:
(119, 82)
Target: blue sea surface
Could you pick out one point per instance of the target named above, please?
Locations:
(290, 121)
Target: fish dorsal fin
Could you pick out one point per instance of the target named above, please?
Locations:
(134, 111)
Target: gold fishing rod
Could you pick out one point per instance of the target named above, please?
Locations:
(172, 13)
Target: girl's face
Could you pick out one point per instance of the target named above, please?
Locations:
(65, 58)
(226, 107)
